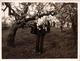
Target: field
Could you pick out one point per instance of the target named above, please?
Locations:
(57, 44)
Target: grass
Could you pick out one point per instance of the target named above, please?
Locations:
(57, 44)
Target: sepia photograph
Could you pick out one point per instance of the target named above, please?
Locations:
(39, 30)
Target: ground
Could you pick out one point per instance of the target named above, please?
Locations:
(57, 44)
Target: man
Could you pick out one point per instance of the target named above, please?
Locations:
(40, 39)
(40, 32)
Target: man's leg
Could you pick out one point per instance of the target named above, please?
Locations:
(41, 44)
(37, 44)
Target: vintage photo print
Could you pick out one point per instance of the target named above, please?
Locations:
(39, 30)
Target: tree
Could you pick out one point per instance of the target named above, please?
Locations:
(20, 20)
(67, 12)
(16, 25)
(61, 11)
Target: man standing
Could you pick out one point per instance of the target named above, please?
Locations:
(40, 32)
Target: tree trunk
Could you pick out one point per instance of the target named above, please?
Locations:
(61, 26)
(74, 24)
(74, 28)
(11, 35)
